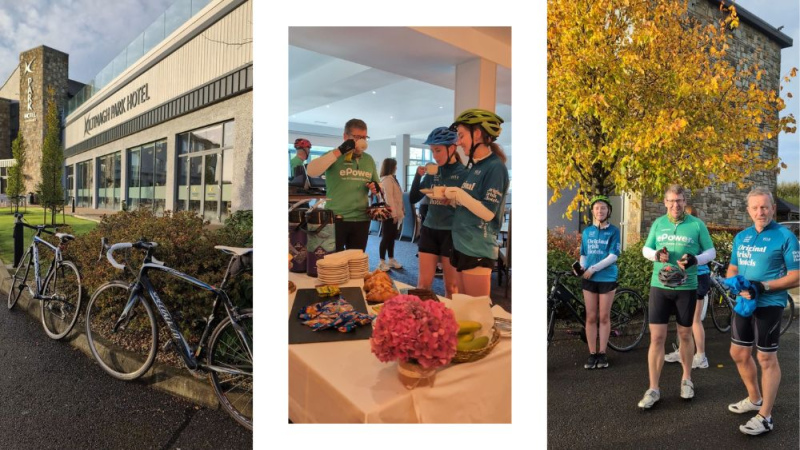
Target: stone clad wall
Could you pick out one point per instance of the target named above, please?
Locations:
(726, 204)
(49, 67)
(5, 128)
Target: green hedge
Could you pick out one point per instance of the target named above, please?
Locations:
(184, 243)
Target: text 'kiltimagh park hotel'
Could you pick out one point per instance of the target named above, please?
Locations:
(166, 125)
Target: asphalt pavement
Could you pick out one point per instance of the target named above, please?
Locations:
(54, 397)
(598, 408)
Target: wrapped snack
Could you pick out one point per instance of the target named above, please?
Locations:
(328, 290)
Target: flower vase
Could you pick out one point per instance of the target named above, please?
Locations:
(413, 375)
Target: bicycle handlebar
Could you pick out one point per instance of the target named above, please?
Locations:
(141, 245)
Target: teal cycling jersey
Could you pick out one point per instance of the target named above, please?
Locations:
(486, 181)
(766, 256)
(596, 245)
(690, 235)
(440, 214)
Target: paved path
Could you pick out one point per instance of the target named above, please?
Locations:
(53, 396)
(597, 408)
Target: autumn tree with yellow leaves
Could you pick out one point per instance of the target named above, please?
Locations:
(640, 95)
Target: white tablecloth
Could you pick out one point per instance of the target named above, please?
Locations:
(343, 382)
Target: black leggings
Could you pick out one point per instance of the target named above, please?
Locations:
(387, 241)
(351, 235)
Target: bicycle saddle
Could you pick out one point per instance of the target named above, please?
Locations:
(234, 250)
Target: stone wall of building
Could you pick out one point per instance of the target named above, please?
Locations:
(41, 68)
(5, 128)
(724, 204)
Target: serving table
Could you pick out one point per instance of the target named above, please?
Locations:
(343, 382)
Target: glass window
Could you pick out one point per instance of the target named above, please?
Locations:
(147, 175)
(227, 140)
(205, 170)
(207, 139)
(84, 184)
(68, 192)
(108, 181)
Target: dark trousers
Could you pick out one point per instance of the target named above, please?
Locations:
(351, 235)
(388, 238)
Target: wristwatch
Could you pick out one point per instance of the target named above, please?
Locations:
(766, 287)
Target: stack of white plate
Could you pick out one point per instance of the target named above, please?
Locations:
(359, 266)
(333, 271)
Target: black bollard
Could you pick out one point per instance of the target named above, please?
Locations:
(18, 239)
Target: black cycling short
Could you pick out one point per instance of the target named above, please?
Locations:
(703, 285)
(666, 302)
(465, 262)
(436, 242)
(598, 287)
(763, 327)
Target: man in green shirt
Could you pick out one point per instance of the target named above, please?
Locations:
(350, 174)
(303, 147)
(678, 242)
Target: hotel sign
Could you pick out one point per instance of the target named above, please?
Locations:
(30, 115)
(118, 108)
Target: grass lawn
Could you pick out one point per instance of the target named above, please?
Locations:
(33, 216)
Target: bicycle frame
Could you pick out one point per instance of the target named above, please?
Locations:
(189, 357)
(34, 248)
(572, 299)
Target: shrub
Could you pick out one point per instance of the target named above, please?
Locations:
(634, 269)
(569, 243)
(184, 244)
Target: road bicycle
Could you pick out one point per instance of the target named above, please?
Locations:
(721, 302)
(123, 335)
(60, 294)
(628, 313)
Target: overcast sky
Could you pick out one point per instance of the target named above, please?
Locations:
(92, 32)
(786, 14)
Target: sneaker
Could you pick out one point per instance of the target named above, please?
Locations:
(744, 406)
(602, 361)
(383, 267)
(394, 264)
(591, 363)
(687, 389)
(673, 357)
(651, 396)
(701, 362)
(757, 425)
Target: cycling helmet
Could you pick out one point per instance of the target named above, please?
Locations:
(671, 275)
(302, 143)
(489, 121)
(441, 136)
(601, 198)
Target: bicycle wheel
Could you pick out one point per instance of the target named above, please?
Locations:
(721, 313)
(128, 352)
(18, 281)
(230, 350)
(62, 300)
(628, 320)
(788, 315)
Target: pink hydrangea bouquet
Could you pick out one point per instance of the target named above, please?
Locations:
(412, 330)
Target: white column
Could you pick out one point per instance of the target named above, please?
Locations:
(403, 145)
(476, 87)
